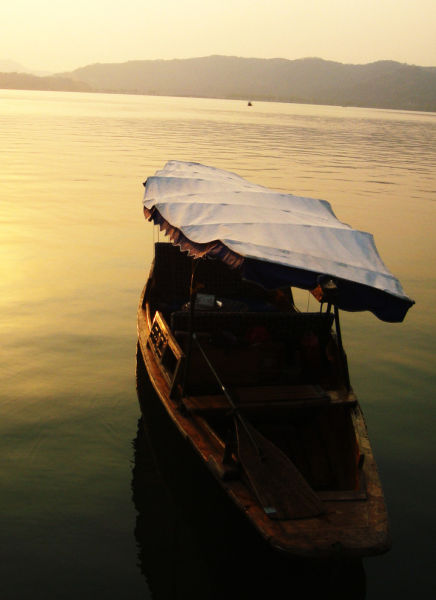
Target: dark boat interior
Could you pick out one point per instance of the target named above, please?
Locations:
(282, 366)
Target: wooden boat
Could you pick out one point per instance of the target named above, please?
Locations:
(260, 390)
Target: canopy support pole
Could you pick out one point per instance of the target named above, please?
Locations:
(192, 299)
(341, 348)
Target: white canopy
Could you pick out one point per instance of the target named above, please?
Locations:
(276, 238)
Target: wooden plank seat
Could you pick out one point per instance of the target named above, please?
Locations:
(274, 398)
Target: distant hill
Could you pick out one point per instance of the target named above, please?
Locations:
(11, 66)
(25, 81)
(383, 84)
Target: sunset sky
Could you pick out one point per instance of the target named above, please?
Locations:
(56, 35)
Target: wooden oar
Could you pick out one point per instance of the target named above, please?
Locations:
(279, 486)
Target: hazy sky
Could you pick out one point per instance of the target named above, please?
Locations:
(57, 35)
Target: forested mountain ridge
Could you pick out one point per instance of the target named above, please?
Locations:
(382, 84)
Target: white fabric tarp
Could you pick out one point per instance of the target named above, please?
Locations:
(246, 223)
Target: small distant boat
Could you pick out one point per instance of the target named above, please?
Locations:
(259, 389)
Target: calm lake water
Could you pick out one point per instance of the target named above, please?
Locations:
(84, 510)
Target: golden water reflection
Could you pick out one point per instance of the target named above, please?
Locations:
(74, 255)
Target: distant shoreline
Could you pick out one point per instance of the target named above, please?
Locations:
(241, 100)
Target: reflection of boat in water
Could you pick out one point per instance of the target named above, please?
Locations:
(193, 544)
(261, 390)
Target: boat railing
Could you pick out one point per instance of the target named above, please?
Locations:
(289, 327)
(252, 348)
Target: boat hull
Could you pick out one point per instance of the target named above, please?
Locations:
(353, 525)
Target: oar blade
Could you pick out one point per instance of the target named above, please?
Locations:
(278, 485)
